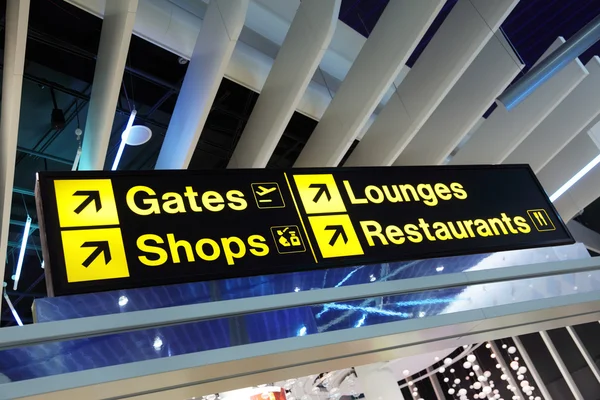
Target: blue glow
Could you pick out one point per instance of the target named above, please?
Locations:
(361, 321)
(347, 277)
(368, 310)
(575, 179)
(123, 140)
(301, 331)
(409, 303)
(22, 252)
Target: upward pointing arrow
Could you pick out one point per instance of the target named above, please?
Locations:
(100, 247)
(322, 190)
(91, 196)
(338, 231)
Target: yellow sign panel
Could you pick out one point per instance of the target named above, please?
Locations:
(94, 254)
(335, 236)
(541, 220)
(83, 203)
(319, 194)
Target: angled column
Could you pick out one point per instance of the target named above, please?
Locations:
(561, 366)
(507, 370)
(378, 382)
(460, 38)
(504, 130)
(383, 55)
(584, 353)
(532, 369)
(298, 58)
(223, 22)
(117, 27)
(573, 115)
(15, 38)
(435, 383)
(488, 75)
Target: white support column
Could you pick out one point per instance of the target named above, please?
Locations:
(488, 75)
(573, 115)
(298, 58)
(397, 33)
(435, 383)
(218, 36)
(561, 366)
(504, 130)
(584, 352)
(378, 382)
(460, 38)
(507, 370)
(15, 39)
(117, 27)
(532, 369)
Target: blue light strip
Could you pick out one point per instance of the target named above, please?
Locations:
(123, 140)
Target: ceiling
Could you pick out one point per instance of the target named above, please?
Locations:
(60, 59)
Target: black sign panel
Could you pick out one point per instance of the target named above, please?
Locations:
(115, 230)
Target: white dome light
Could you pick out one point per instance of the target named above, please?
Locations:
(138, 135)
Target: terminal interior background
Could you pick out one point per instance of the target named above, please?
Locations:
(461, 56)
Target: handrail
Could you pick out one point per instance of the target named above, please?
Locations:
(79, 328)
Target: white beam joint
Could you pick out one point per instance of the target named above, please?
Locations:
(216, 41)
(117, 27)
(297, 60)
(397, 33)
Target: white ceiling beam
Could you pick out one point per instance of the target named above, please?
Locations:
(119, 17)
(218, 35)
(297, 60)
(573, 115)
(568, 162)
(15, 39)
(504, 130)
(460, 38)
(571, 159)
(461, 110)
(398, 31)
(166, 24)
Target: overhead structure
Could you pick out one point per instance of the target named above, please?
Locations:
(297, 60)
(504, 130)
(385, 52)
(15, 39)
(574, 114)
(563, 167)
(218, 36)
(490, 72)
(117, 27)
(569, 51)
(460, 38)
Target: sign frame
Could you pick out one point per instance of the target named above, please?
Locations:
(56, 278)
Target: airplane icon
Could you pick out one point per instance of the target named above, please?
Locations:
(267, 195)
(263, 190)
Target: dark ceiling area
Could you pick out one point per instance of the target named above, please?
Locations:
(60, 60)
